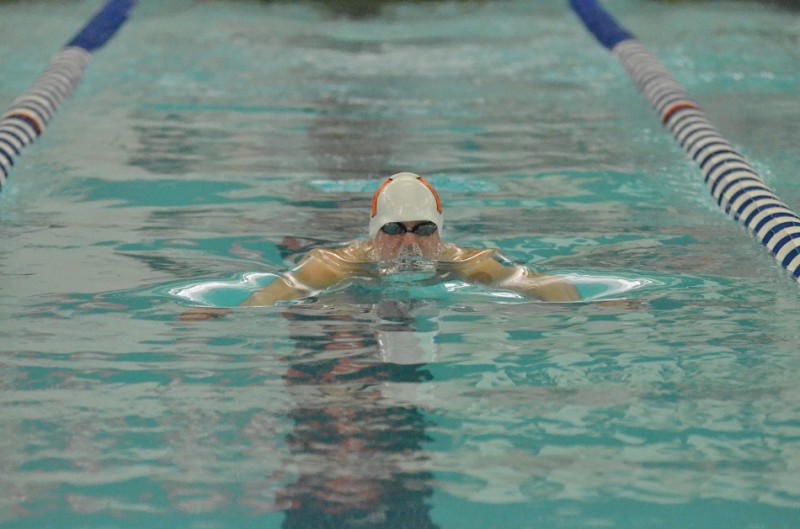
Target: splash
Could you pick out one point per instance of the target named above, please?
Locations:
(411, 260)
(410, 264)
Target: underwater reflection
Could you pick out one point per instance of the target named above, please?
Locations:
(358, 449)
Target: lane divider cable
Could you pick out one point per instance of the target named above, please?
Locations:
(738, 190)
(29, 114)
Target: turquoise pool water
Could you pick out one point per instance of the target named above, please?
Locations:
(212, 143)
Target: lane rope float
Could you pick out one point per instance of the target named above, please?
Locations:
(29, 114)
(738, 189)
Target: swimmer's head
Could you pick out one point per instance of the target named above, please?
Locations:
(405, 197)
(406, 220)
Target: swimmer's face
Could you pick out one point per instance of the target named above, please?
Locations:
(390, 247)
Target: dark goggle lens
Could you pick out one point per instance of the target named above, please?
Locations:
(424, 229)
(394, 228)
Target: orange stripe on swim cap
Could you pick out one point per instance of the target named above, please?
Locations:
(376, 195)
(433, 192)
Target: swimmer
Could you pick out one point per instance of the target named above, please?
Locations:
(404, 236)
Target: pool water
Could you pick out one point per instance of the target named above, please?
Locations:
(212, 143)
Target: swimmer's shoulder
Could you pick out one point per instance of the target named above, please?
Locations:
(457, 254)
(354, 253)
(467, 262)
(359, 251)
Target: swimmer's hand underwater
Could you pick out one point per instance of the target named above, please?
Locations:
(203, 314)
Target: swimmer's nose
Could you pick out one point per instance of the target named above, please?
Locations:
(408, 238)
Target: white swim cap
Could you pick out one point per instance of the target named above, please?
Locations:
(404, 197)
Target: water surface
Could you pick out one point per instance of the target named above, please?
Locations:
(213, 143)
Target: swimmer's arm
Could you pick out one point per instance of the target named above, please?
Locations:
(490, 271)
(285, 287)
(542, 286)
(315, 272)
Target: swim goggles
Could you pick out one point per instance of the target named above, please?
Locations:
(423, 229)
